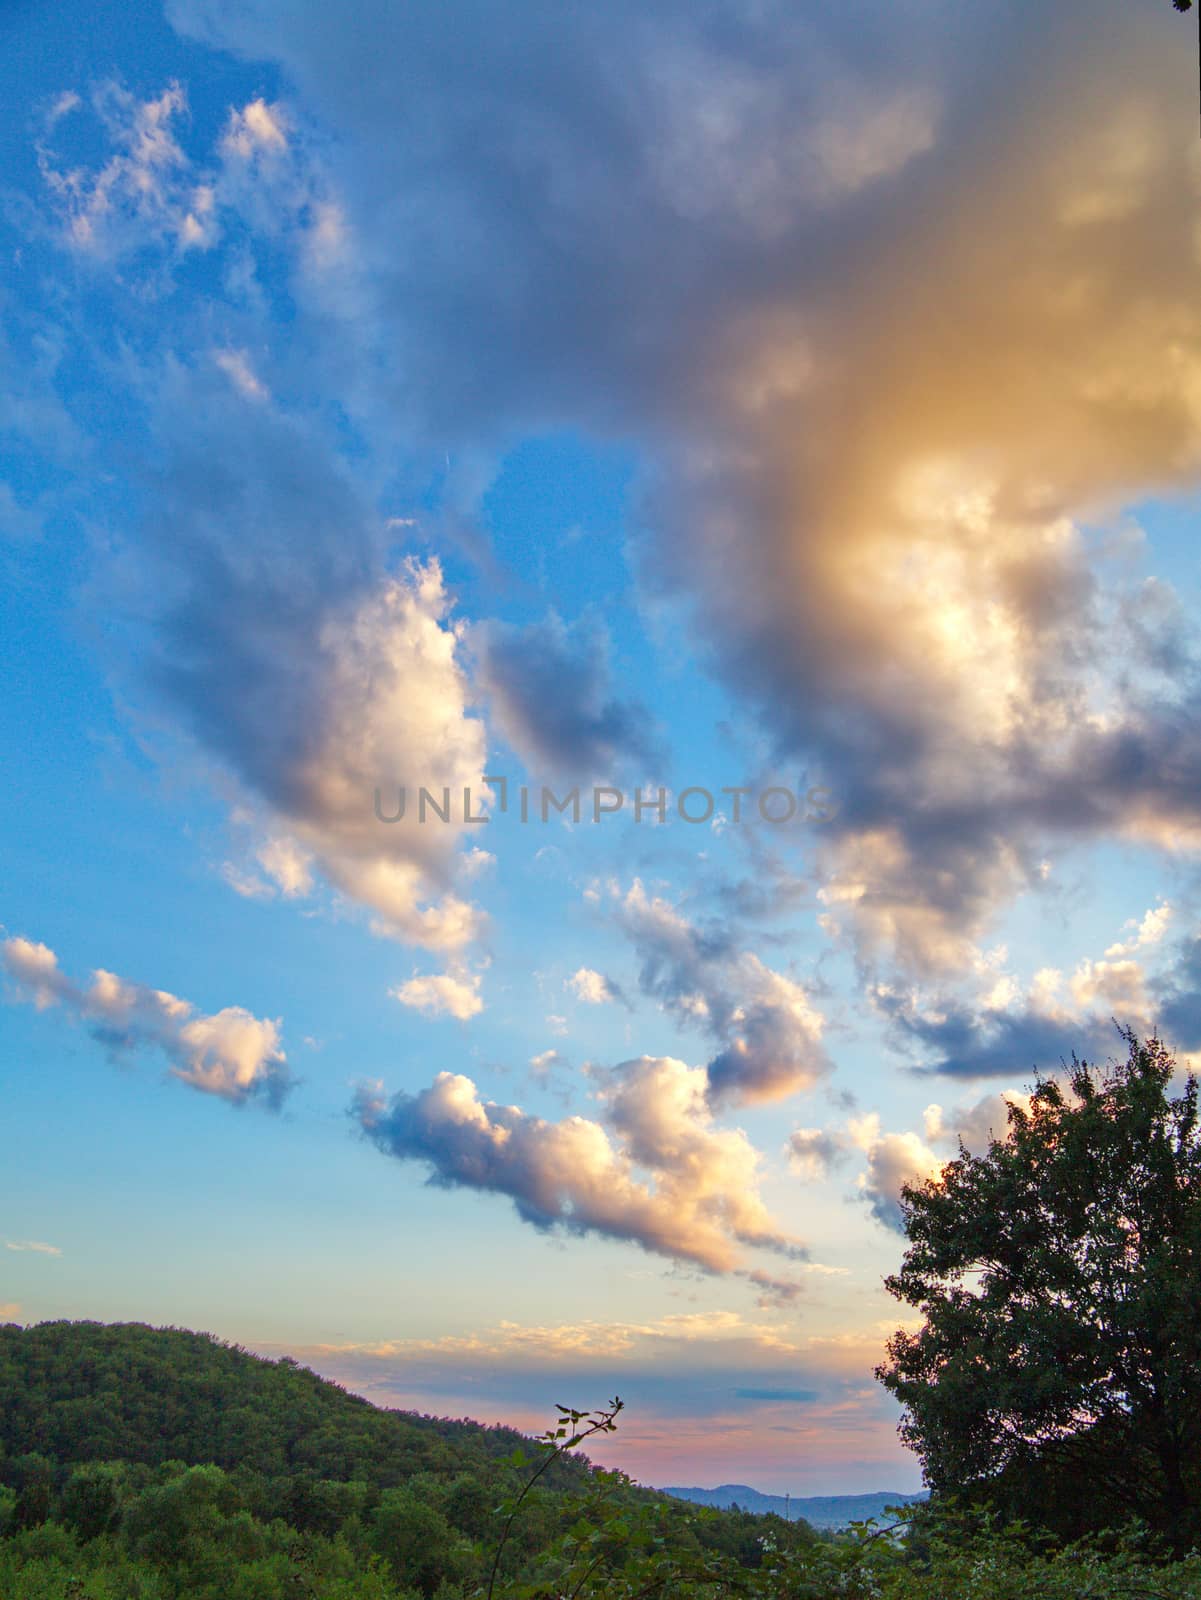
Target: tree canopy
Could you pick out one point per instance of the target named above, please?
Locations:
(1058, 1278)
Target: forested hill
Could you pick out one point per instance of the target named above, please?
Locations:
(86, 1391)
(168, 1465)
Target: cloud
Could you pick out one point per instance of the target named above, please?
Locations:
(698, 1201)
(893, 1160)
(769, 1030)
(679, 1375)
(35, 1245)
(359, 687)
(144, 193)
(255, 128)
(267, 610)
(799, 1396)
(992, 1024)
(235, 364)
(880, 447)
(549, 688)
(726, 1335)
(896, 1159)
(593, 988)
(976, 1125)
(546, 1063)
(813, 1151)
(961, 1040)
(446, 994)
(287, 865)
(231, 1053)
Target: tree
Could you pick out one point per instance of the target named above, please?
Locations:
(1057, 1370)
(91, 1501)
(416, 1540)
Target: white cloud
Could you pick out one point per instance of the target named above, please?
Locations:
(235, 364)
(545, 1063)
(144, 194)
(698, 1203)
(446, 994)
(592, 987)
(893, 1160)
(231, 1053)
(34, 1245)
(255, 128)
(288, 866)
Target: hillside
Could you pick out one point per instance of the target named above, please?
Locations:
(819, 1511)
(159, 1463)
(156, 1464)
(87, 1391)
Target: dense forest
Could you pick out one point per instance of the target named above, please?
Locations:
(157, 1464)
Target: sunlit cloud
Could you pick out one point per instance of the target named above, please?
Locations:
(699, 1201)
(444, 994)
(593, 988)
(230, 1053)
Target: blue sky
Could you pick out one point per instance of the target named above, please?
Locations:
(696, 398)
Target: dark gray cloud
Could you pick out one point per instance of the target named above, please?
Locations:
(549, 687)
(960, 1041)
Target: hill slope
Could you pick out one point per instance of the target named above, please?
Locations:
(165, 1464)
(86, 1391)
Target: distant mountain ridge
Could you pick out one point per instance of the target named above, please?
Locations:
(819, 1511)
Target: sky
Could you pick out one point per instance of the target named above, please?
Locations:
(741, 462)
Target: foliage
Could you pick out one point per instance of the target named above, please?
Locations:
(1058, 1276)
(83, 1391)
(465, 1521)
(160, 1464)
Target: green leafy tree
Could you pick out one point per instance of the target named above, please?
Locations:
(32, 1476)
(417, 1542)
(91, 1501)
(1058, 1275)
